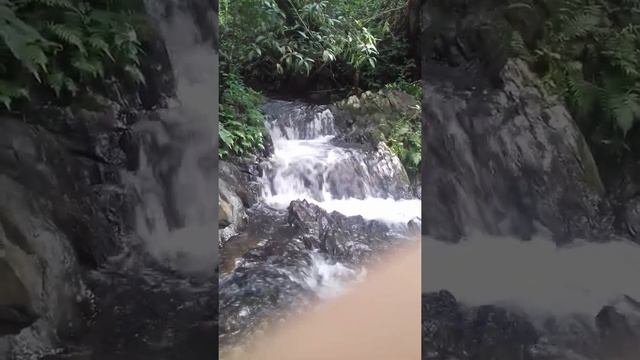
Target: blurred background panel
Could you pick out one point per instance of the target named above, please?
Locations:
(530, 161)
(108, 179)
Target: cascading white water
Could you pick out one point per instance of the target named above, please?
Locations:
(306, 165)
(536, 275)
(176, 178)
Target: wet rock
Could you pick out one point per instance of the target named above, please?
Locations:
(278, 272)
(356, 170)
(619, 338)
(484, 333)
(298, 120)
(346, 239)
(502, 153)
(156, 67)
(442, 325)
(629, 218)
(15, 301)
(38, 270)
(236, 194)
(62, 208)
(363, 119)
(502, 160)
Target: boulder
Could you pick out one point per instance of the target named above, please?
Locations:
(503, 160)
(503, 156)
(62, 209)
(279, 271)
(238, 190)
(365, 119)
(450, 330)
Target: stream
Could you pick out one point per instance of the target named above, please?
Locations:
(324, 212)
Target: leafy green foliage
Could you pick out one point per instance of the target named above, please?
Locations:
(241, 122)
(412, 88)
(303, 37)
(275, 40)
(391, 115)
(66, 45)
(405, 140)
(590, 54)
(404, 133)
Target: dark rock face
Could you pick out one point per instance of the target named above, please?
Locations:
(238, 191)
(166, 315)
(466, 42)
(451, 330)
(500, 160)
(360, 118)
(63, 208)
(502, 154)
(277, 273)
(487, 332)
(74, 162)
(618, 337)
(622, 181)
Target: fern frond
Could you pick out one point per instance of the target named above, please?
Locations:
(65, 4)
(621, 50)
(71, 86)
(55, 80)
(10, 91)
(69, 35)
(625, 109)
(621, 102)
(135, 74)
(98, 43)
(91, 67)
(518, 46)
(577, 25)
(581, 95)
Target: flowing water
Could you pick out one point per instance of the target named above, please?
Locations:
(307, 165)
(158, 300)
(535, 275)
(567, 285)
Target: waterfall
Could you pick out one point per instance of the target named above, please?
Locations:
(326, 211)
(307, 165)
(176, 178)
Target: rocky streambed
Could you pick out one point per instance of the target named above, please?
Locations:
(308, 218)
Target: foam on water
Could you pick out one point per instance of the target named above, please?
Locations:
(536, 275)
(306, 165)
(388, 210)
(304, 161)
(329, 280)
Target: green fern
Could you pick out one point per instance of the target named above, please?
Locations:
(25, 43)
(9, 91)
(64, 4)
(65, 45)
(98, 43)
(68, 35)
(593, 61)
(89, 67)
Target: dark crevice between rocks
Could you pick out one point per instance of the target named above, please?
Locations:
(14, 318)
